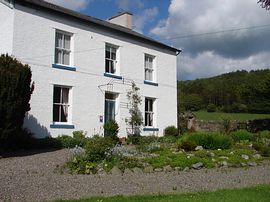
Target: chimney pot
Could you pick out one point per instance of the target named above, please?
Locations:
(123, 19)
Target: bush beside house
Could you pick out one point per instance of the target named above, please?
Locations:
(16, 88)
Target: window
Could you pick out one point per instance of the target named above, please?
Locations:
(62, 48)
(110, 59)
(149, 112)
(110, 100)
(148, 67)
(61, 104)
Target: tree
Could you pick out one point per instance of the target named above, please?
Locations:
(135, 120)
(265, 4)
(15, 92)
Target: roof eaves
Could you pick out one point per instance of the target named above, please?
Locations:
(96, 21)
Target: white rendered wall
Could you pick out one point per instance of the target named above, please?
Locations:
(6, 28)
(34, 38)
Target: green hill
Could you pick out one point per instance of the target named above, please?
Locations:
(239, 91)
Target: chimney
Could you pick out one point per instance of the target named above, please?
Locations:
(123, 19)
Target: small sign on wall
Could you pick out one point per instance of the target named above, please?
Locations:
(101, 119)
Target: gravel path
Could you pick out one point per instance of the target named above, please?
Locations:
(37, 178)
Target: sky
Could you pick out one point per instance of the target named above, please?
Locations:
(215, 37)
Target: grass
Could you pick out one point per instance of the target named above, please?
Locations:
(207, 116)
(258, 193)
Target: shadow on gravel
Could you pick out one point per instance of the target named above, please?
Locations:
(21, 153)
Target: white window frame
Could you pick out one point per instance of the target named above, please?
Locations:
(149, 66)
(149, 114)
(62, 49)
(115, 61)
(68, 105)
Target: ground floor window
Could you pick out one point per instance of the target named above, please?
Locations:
(110, 105)
(61, 104)
(149, 112)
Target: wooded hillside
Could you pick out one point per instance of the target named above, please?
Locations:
(239, 91)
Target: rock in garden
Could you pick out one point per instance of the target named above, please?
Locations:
(223, 163)
(167, 169)
(177, 152)
(190, 155)
(257, 156)
(212, 154)
(252, 164)
(244, 156)
(224, 157)
(101, 171)
(116, 171)
(148, 169)
(199, 148)
(177, 169)
(243, 164)
(186, 169)
(158, 170)
(197, 165)
(137, 170)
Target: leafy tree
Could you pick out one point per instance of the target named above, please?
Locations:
(15, 92)
(136, 119)
(192, 102)
(265, 4)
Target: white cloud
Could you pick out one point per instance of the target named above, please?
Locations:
(207, 64)
(211, 54)
(148, 15)
(71, 4)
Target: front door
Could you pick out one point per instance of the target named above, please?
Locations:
(110, 100)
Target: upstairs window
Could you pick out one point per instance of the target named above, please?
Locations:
(61, 104)
(62, 48)
(110, 59)
(148, 67)
(149, 112)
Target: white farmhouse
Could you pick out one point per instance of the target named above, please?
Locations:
(83, 67)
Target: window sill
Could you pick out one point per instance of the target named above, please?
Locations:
(58, 66)
(112, 76)
(150, 129)
(150, 83)
(62, 126)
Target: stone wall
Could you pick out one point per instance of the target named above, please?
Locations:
(207, 126)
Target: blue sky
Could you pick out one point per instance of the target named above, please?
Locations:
(216, 36)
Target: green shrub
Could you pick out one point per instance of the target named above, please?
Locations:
(241, 135)
(263, 148)
(265, 151)
(78, 139)
(264, 134)
(211, 108)
(111, 129)
(171, 131)
(15, 92)
(212, 140)
(98, 148)
(134, 139)
(188, 145)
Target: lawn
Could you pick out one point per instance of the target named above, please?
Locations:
(203, 115)
(258, 193)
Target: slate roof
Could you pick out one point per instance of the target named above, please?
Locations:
(96, 22)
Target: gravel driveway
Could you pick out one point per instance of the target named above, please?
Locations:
(37, 178)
